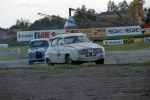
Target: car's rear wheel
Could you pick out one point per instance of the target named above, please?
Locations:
(49, 62)
(69, 61)
(100, 61)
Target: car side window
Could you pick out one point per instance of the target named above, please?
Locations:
(60, 42)
(54, 42)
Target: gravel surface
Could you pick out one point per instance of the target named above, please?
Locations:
(100, 82)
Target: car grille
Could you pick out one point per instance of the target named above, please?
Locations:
(90, 52)
(85, 52)
(95, 51)
(38, 55)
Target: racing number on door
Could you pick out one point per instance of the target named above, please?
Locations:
(58, 54)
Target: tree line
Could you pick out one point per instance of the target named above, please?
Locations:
(111, 6)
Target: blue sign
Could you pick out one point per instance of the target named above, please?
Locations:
(41, 35)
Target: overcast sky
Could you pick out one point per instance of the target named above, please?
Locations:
(11, 10)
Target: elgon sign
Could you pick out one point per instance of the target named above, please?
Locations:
(41, 34)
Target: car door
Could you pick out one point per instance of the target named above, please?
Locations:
(61, 51)
(53, 51)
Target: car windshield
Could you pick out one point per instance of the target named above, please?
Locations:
(39, 44)
(76, 39)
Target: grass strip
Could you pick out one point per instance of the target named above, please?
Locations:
(73, 66)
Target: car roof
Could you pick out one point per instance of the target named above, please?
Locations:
(69, 34)
(40, 39)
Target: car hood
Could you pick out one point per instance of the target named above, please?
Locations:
(37, 49)
(84, 45)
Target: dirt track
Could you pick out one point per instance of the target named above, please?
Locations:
(93, 83)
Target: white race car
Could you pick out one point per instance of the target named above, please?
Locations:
(74, 48)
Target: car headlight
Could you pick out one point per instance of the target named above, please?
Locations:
(30, 53)
(80, 52)
(100, 50)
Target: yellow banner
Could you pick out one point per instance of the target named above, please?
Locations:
(91, 32)
(139, 40)
(133, 40)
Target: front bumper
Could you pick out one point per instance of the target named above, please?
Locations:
(41, 59)
(93, 58)
(87, 58)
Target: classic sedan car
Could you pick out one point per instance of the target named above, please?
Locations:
(74, 48)
(37, 50)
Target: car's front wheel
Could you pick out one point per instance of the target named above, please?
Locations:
(100, 61)
(49, 62)
(69, 61)
(31, 62)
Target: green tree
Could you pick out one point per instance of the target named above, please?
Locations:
(111, 6)
(123, 5)
(90, 17)
(46, 22)
(82, 15)
(50, 21)
(21, 23)
(3, 29)
(79, 14)
(58, 22)
(147, 12)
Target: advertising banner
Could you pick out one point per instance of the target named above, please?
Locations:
(112, 42)
(145, 29)
(147, 39)
(128, 30)
(53, 33)
(133, 40)
(91, 32)
(25, 36)
(29, 35)
(3, 45)
(139, 40)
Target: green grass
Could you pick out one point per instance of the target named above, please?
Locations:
(126, 47)
(59, 67)
(13, 47)
(47, 67)
(9, 68)
(13, 57)
(73, 66)
(141, 64)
